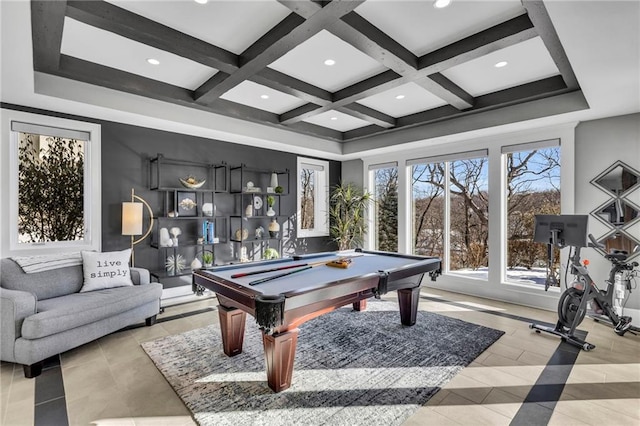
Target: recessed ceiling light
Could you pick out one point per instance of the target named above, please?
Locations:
(334, 118)
(441, 4)
(264, 96)
(153, 61)
(329, 62)
(501, 64)
(400, 97)
(201, 1)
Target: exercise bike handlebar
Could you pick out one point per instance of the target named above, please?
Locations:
(595, 243)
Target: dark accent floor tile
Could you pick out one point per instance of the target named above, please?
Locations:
(532, 414)
(52, 412)
(544, 393)
(49, 385)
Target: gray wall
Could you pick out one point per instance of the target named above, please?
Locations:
(126, 150)
(353, 172)
(599, 144)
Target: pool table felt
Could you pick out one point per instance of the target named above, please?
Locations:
(316, 277)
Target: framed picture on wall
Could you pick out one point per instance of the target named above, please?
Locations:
(187, 204)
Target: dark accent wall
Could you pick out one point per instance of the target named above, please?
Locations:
(126, 150)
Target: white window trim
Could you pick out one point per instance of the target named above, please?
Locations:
(9, 186)
(321, 203)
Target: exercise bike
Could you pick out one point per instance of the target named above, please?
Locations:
(583, 296)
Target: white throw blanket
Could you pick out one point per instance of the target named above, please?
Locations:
(32, 264)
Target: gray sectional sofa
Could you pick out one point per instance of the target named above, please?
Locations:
(43, 314)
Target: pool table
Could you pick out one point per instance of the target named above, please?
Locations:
(287, 295)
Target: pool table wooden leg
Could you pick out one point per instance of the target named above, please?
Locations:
(279, 354)
(360, 305)
(408, 301)
(232, 322)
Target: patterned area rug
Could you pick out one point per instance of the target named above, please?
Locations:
(350, 368)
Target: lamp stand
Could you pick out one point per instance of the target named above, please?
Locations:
(135, 197)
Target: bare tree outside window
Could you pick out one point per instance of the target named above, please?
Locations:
(307, 198)
(386, 208)
(428, 209)
(50, 189)
(533, 187)
(468, 213)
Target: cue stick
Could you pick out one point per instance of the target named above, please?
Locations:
(304, 267)
(280, 268)
(284, 274)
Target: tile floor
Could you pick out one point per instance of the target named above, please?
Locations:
(113, 382)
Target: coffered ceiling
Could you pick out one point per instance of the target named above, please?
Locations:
(341, 77)
(338, 70)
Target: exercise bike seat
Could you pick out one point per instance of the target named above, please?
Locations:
(617, 255)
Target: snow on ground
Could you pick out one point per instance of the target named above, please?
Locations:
(515, 275)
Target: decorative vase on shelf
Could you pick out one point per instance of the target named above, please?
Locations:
(274, 180)
(196, 264)
(271, 212)
(248, 212)
(165, 239)
(274, 228)
(208, 209)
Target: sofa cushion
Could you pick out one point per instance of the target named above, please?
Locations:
(78, 309)
(106, 270)
(44, 285)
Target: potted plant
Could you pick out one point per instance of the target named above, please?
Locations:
(348, 215)
(207, 259)
(271, 200)
(271, 253)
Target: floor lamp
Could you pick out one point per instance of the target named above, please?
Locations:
(132, 217)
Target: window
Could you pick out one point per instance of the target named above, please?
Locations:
(385, 215)
(53, 179)
(428, 206)
(533, 187)
(450, 211)
(469, 217)
(312, 198)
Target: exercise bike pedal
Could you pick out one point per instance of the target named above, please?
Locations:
(623, 326)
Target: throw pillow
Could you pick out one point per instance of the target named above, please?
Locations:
(105, 270)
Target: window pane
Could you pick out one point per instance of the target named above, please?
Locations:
(386, 208)
(469, 217)
(307, 198)
(533, 187)
(428, 209)
(312, 198)
(50, 188)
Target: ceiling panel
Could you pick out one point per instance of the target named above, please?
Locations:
(286, 73)
(337, 121)
(422, 28)
(306, 62)
(105, 48)
(413, 99)
(232, 25)
(526, 62)
(253, 95)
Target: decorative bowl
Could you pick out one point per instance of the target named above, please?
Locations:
(192, 182)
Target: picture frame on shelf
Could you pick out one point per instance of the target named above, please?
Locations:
(186, 203)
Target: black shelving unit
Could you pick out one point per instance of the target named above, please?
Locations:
(253, 189)
(182, 207)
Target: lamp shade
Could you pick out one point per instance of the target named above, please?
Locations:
(131, 218)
